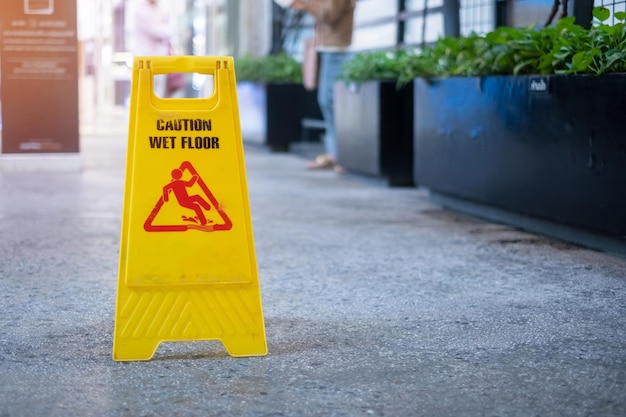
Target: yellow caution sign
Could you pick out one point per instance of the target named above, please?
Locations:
(187, 266)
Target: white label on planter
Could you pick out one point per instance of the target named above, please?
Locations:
(539, 84)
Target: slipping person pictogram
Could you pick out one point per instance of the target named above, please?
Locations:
(179, 187)
(190, 193)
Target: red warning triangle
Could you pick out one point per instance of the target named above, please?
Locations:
(200, 211)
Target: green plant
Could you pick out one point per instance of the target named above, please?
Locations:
(378, 65)
(607, 45)
(279, 68)
(565, 48)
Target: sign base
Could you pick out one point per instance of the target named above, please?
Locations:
(149, 317)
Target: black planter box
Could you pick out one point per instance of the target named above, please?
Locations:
(271, 114)
(549, 147)
(374, 126)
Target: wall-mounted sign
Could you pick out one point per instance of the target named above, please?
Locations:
(39, 77)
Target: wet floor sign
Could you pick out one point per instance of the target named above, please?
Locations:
(187, 266)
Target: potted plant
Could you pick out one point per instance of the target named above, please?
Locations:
(374, 117)
(272, 100)
(528, 121)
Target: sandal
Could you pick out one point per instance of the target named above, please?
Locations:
(322, 162)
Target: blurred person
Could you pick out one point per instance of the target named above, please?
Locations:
(151, 36)
(334, 23)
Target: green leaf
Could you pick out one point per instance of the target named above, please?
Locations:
(567, 23)
(582, 60)
(601, 13)
(621, 16)
(614, 56)
(518, 68)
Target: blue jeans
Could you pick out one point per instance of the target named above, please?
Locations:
(331, 66)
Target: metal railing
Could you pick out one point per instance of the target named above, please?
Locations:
(393, 24)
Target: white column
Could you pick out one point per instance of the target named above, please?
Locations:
(255, 27)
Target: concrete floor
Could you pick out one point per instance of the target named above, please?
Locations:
(376, 303)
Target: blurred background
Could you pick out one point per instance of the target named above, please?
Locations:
(261, 27)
